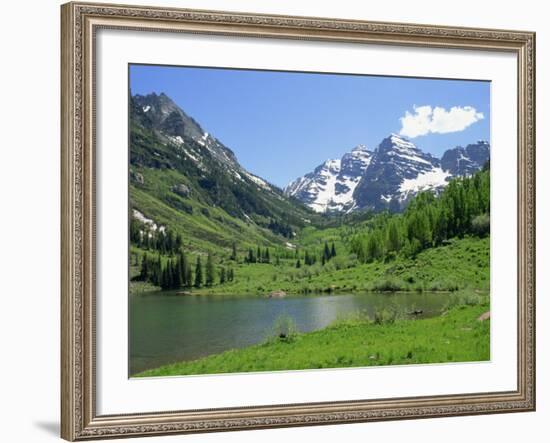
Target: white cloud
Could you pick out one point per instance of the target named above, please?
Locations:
(426, 119)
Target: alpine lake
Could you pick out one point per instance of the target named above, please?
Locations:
(167, 327)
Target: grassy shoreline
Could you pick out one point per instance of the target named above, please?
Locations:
(455, 336)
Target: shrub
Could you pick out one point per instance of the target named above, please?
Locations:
(386, 316)
(468, 299)
(442, 285)
(284, 329)
(481, 225)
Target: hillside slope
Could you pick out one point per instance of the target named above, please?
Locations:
(185, 179)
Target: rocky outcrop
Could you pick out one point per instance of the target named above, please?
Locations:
(181, 189)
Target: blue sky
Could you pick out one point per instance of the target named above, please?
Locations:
(281, 124)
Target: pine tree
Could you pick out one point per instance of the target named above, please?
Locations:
(266, 255)
(298, 264)
(233, 252)
(170, 242)
(332, 251)
(326, 252)
(251, 258)
(188, 275)
(393, 240)
(157, 271)
(164, 279)
(209, 270)
(259, 255)
(176, 275)
(222, 276)
(160, 241)
(144, 272)
(135, 232)
(167, 276)
(198, 273)
(182, 268)
(374, 246)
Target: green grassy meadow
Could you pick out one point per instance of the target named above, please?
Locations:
(461, 264)
(455, 336)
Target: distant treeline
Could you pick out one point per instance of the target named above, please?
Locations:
(461, 209)
(262, 255)
(176, 273)
(161, 240)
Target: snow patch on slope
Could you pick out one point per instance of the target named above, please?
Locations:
(436, 178)
(261, 183)
(325, 191)
(177, 140)
(139, 216)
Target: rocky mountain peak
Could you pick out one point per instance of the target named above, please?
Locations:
(465, 161)
(167, 116)
(360, 149)
(331, 184)
(386, 178)
(174, 127)
(397, 142)
(331, 165)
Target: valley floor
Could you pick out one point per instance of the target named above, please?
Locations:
(456, 336)
(461, 264)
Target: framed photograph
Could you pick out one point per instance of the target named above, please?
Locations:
(284, 221)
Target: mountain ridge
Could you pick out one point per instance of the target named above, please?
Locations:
(340, 178)
(395, 171)
(181, 175)
(361, 179)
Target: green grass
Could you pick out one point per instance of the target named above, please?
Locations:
(462, 264)
(203, 226)
(456, 336)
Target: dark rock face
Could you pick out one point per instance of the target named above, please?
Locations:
(395, 160)
(160, 113)
(355, 163)
(165, 115)
(465, 161)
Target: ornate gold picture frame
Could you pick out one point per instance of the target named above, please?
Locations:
(80, 22)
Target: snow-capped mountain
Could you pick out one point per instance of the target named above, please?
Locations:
(386, 178)
(331, 185)
(398, 171)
